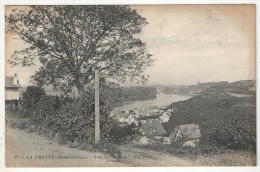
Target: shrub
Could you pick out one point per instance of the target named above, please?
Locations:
(44, 111)
(74, 120)
(237, 132)
(121, 134)
(32, 96)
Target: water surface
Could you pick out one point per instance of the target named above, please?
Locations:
(161, 100)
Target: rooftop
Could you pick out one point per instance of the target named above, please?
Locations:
(9, 82)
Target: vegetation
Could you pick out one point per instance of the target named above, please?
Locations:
(123, 134)
(227, 124)
(69, 121)
(236, 132)
(139, 93)
(224, 120)
(72, 41)
(239, 87)
(32, 95)
(116, 95)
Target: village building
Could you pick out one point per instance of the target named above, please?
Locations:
(165, 117)
(12, 89)
(121, 119)
(153, 128)
(170, 110)
(189, 134)
(130, 119)
(149, 109)
(134, 114)
(127, 118)
(149, 117)
(138, 112)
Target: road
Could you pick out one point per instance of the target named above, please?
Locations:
(148, 158)
(30, 150)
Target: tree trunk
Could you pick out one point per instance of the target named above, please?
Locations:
(79, 86)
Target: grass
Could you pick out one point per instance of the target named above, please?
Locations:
(206, 155)
(230, 158)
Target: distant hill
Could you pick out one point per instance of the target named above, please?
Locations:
(114, 96)
(240, 87)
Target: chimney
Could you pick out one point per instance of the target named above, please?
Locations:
(15, 79)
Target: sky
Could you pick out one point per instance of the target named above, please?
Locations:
(189, 43)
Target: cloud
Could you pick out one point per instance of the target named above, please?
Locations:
(198, 45)
(189, 43)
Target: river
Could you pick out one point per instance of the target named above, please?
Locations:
(161, 100)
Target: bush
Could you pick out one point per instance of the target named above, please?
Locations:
(121, 134)
(44, 111)
(71, 119)
(32, 96)
(237, 132)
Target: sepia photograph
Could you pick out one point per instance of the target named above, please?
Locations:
(130, 85)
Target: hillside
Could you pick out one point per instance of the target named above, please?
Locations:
(241, 87)
(211, 108)
(114, 96)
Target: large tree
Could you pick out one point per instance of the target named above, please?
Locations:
(72, 41)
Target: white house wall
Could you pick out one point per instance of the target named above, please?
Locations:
(11, 94)
(191, 143)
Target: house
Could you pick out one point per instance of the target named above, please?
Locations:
(130, 119)
(164, 117)
(153, 128)
(134, 114)
(139, 112)
(136, 122)
(12, 87)
(126, 118)
(189, 134)
(149, 117)
(170, 110)
(121, 119)
(149, 109)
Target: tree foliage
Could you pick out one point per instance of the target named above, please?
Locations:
(72, 41)
(32, 95)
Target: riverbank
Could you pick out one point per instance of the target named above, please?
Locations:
(161, 100)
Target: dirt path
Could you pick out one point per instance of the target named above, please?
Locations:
(148, 158)
(30, 150)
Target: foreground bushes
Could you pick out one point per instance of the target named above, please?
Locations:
(121, 134)
(237, 132)
(72, 121)
(32, 95)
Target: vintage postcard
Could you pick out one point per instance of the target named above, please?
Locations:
(130, 85)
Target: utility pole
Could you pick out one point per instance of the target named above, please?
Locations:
(97, 115)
